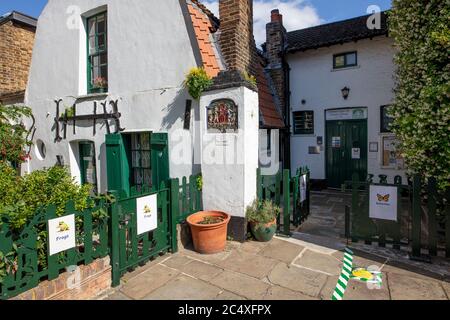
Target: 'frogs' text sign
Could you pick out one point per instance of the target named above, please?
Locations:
(147, 213)
(383, 203)
(61, 234)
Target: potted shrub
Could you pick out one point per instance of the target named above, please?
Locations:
(262, 217)
(209, 231)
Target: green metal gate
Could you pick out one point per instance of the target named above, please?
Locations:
(128, 249)
(346, 151)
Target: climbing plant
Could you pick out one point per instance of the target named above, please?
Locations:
(421, 110)
(13, 134)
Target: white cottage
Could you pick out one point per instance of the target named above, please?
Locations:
(106, 88)
(104, 67)
(340, 81)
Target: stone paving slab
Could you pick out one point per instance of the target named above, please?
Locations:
(227, 295)
(281, 250)
(242, 285)
(403, 287)
(298, 279)
(319, 262)
(176, 261)
(280, 293)
(250, 264)
(149, 280)
(200, 270)
(185, 288)
(118, 296)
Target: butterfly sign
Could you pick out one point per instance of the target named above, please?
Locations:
(383, 203)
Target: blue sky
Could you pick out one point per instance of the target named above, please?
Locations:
(329, 10)
(297, 14)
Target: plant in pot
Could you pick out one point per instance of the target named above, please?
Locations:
(209, 231)
(99, 85)
(262, 217)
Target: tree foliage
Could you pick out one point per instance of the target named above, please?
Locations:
(421, 111)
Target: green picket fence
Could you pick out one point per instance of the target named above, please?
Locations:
(285, 192)
(186, 197)
(24, 256)
(423, 223)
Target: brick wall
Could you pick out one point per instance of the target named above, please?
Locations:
(16, 46)
(236, 34)
(94, 280)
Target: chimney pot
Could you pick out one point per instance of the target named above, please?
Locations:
(276, 16)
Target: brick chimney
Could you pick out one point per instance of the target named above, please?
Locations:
(276, 40)
(236, 34)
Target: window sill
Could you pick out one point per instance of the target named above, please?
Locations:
(92, 96)
(345, 68)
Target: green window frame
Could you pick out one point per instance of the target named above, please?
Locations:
(97, 53)
(345, 60)
(303, 122)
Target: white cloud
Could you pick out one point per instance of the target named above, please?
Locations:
(297, 14)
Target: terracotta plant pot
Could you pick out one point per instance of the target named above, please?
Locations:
(209, 238)
(265, 232)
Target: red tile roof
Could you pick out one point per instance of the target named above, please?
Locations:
(271, 118)
(203, 30)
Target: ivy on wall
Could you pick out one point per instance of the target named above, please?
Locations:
(421, 31)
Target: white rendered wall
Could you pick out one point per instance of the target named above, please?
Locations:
(313, 79)
(149, 53)
(230, 160)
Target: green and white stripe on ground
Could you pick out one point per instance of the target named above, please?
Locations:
(347, 267)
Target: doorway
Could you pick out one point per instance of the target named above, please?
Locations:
(88, 165)
(346, 151)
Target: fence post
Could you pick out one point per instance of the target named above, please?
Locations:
(259, 184)
(347, 222)
(432, 225)
(287, 202)
(447, 225)
(174, 212)
(416, 217)
(115, 265)
(354, 209)
(278, 179)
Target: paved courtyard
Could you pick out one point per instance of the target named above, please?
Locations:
(285, 269)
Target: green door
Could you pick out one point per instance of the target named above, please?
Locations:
(346, 151)
(88, 167)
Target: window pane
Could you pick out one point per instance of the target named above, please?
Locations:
(95, 61)
(104, 72)
(103, 59)
(95, 73)
(351, 59)
(92, 49)
(101, 42)
(339, 61)
(91, 27)
(101, 24)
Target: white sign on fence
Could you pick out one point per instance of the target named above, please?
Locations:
(356, 153)
(383, 203)
(147, 213)
(302, 185)
(61, 234)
